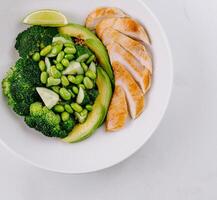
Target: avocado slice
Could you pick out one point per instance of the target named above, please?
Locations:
(100, 108)
(91, 40)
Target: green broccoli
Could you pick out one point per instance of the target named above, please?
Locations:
(31, 40)
(47, 122)
(19, 86)
(81, 49)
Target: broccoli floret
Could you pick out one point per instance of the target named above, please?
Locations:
(93, 93)
(47, 122)
(81, 49)
(19, 86)
(29, 41)
(68, 125)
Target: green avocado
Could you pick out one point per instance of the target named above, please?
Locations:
(91, 40)
(100, 108)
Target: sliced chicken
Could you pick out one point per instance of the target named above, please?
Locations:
(134, 95)
(138, 50)
(102, 13)
(125, 25)
(118, 112)
(139, 73)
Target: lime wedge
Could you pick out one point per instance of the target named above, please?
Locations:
(46, 17)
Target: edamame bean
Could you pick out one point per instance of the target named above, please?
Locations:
(89, 107)
(76, 107)
(59, 66)
(60, 56)
(57, 48)
(54, 72)
(91, 74)
(82, 86)
(90, 59)
(65, 116)
(88, 83)
(68, 108)
(51, 81)
(59, 108)
(75, 89)
(78, 79)
(82, 58)
(69, 44)
(69, 56)
(71, 78)
(56, 89)
(64, 81)
(36, 57)
(65, 62)
(42, 65)
(70, 50)
(44, 77)
(46, 50)
(84, 66)
(65, 94)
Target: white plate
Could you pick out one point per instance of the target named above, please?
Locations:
(102, 150)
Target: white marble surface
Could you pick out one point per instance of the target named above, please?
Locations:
(179, 161)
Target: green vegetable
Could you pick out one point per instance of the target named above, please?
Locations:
(65, 94)
(75, 89)
(88, 83)
(42, 65)
(46, 50)
(57, 48)
(78, 79)
(36, 57)
(59, 108)
(76, 107)
(90, 59)
(92, 67)
(84, 66)
(68, 108)
(65, 39)
(29, 41)
(19, 85)
(60, 56)
(89, 107)
(53, 81)
(69, 56)
(69, 45)
(81, 50)
(56, 89)
(71, 78)
(91, 74)
(54, 72)
(59, 66)
(43, 78)
(47, 63)
(65, 116)
(82, 116)
(47, 122)
(65, 62)
(64, 81)
(70, 50)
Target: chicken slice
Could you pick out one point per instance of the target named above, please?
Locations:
(125, 25)
(138, 50)
(134, 95)
(139, 73)
(102, 13)
(118, 112)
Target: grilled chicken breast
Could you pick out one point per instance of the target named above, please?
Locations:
(118, 112)
(134, 95)
(138, 50)
(102, 13)
(125, 25)
(139, 73)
